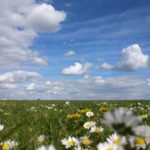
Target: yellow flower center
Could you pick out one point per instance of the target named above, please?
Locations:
(117, 140)
(86, 141)
(5, 146)
(139, 140)
(88, 125)
(109, 148)
(71, 143)
(97, 129)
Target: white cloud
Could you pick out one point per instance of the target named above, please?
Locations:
(19, 76)
(86, 88)
(70, 53)
(77, 69)
(48, 83)
(30, 87)
(99, 80)
(106, 66)
(40, 61)
(44, 17)
(148, 82)
(133, 58)
(8, 86)
(19, 26)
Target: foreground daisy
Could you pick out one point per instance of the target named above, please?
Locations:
(8, 145)
(89, 124)
(50, 147)
(121, 120)
(70, 142)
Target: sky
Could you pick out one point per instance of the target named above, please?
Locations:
(71, 49)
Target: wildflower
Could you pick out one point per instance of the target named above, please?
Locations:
(1, 127)
(144, 132)
(95, 129)
(137, 142)
(67, 103)
(50, 147)
(8, 145)
(144, 116)
(73, 116)
(70, 142)
(41, 138)
(104, 109)
(53, 105)
(121, 120)
(85, 140)
(89, 124)
(84, 110)
(89, 114)
(108, 146)
(116, 139)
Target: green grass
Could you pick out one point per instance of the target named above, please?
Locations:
(24, 125)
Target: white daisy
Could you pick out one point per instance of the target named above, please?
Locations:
(85, 140)
(116, 139)
(95, 129)
(67, 103)
(108, 146)
(143, 131)
(70, 142)
(89, 114)
(41, 138)
(8, 145)
(121, 120)
(137, 142)
(89, 124)
(1, 127)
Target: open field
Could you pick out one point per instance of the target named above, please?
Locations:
(35, 123)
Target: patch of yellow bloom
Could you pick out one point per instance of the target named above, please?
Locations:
(144, 116)
(117, 141)
(5, 146)
(73, 116)
(104, 109)
(84, 110)
(139, 140)
(86, 141)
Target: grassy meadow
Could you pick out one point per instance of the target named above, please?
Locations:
(35, 123)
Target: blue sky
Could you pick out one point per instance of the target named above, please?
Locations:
(94, 43)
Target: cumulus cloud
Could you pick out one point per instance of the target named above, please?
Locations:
(44, 17)
(132, 59)
(70, 53)
(20, 22)
(77, 69)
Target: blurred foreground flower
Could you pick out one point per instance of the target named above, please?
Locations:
(121, 121)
